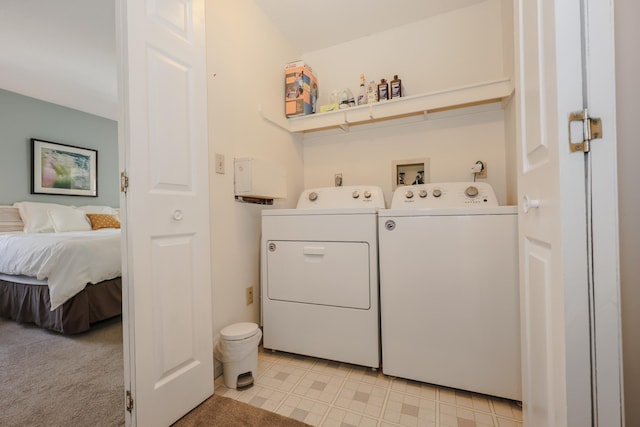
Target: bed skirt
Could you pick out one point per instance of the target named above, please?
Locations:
(31, 304)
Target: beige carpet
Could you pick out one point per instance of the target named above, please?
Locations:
(49, 379)
(220, 411)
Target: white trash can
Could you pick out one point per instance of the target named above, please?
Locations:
(237, 349)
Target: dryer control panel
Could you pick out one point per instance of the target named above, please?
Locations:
(444, 195)
(342, 197)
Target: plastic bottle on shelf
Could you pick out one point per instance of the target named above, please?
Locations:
(396, 87)
(362, 92)
(383, 90)
(347, 100)
(372, 92)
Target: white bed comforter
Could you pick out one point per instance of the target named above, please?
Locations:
(68, 261)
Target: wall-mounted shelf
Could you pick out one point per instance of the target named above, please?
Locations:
(457, 98)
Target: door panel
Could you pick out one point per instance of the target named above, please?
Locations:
(537, 336)
(174, 340)
(535, 150)
(172, 154)
(553, 241)
(163, 128)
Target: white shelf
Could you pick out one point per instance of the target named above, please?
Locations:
(457, 98)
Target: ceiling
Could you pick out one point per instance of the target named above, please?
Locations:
(324, 23)
(64, 51)
(61, 51)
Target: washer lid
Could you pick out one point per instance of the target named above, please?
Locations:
(239, 331)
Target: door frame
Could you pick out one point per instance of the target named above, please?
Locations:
(600, 90)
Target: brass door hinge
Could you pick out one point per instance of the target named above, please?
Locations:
(124, 182)
(129, 402)
(591, 129)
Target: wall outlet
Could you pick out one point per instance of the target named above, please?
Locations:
(249, 295)
(483, 172)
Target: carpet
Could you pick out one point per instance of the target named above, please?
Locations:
(49, 379)
(220, 411)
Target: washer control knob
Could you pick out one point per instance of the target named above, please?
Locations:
(437, 192)
(409, 194)
(367, 194)
(313, 196)
(422, 194)
(471, 191)
(355, 194)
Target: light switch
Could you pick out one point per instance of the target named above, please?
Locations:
(219, 163)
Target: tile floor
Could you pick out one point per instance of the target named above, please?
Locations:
(325, 393)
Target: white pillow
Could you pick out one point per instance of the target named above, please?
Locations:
(98, 209)
(35, 216)
(69, 219)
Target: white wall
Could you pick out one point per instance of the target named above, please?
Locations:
(508, 37)
(453, 49)
(365, 156)
(446, 51)
(245, 66)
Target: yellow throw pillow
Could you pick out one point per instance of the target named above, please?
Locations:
(103, 221)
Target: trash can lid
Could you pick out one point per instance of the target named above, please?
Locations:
(239, 331)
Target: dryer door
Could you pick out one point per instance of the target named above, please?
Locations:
(325, 273)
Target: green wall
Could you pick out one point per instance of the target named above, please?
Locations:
(23, 118)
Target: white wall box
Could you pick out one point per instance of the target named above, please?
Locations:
(258, 179)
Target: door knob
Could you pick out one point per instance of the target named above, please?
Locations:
(177, 215)
(528, 203)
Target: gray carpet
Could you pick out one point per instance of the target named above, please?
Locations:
(49, 379)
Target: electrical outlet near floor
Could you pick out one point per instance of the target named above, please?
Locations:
(249, 295)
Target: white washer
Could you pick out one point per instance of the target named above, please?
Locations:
(449, 292)
(319, 274)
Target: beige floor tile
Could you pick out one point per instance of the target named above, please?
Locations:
(325, 393)
(339, 417)
(305, 410)
(427, 391)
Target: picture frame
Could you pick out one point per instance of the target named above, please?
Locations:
(63, 169)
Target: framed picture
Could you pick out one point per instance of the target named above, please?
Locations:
(63, 169)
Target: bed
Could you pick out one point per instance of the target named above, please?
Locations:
(56, 272)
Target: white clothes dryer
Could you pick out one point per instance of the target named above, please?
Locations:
(319, 275)
(449, 288)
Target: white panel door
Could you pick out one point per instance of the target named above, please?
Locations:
(553, 240)
(168, 342)
(568, 227)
